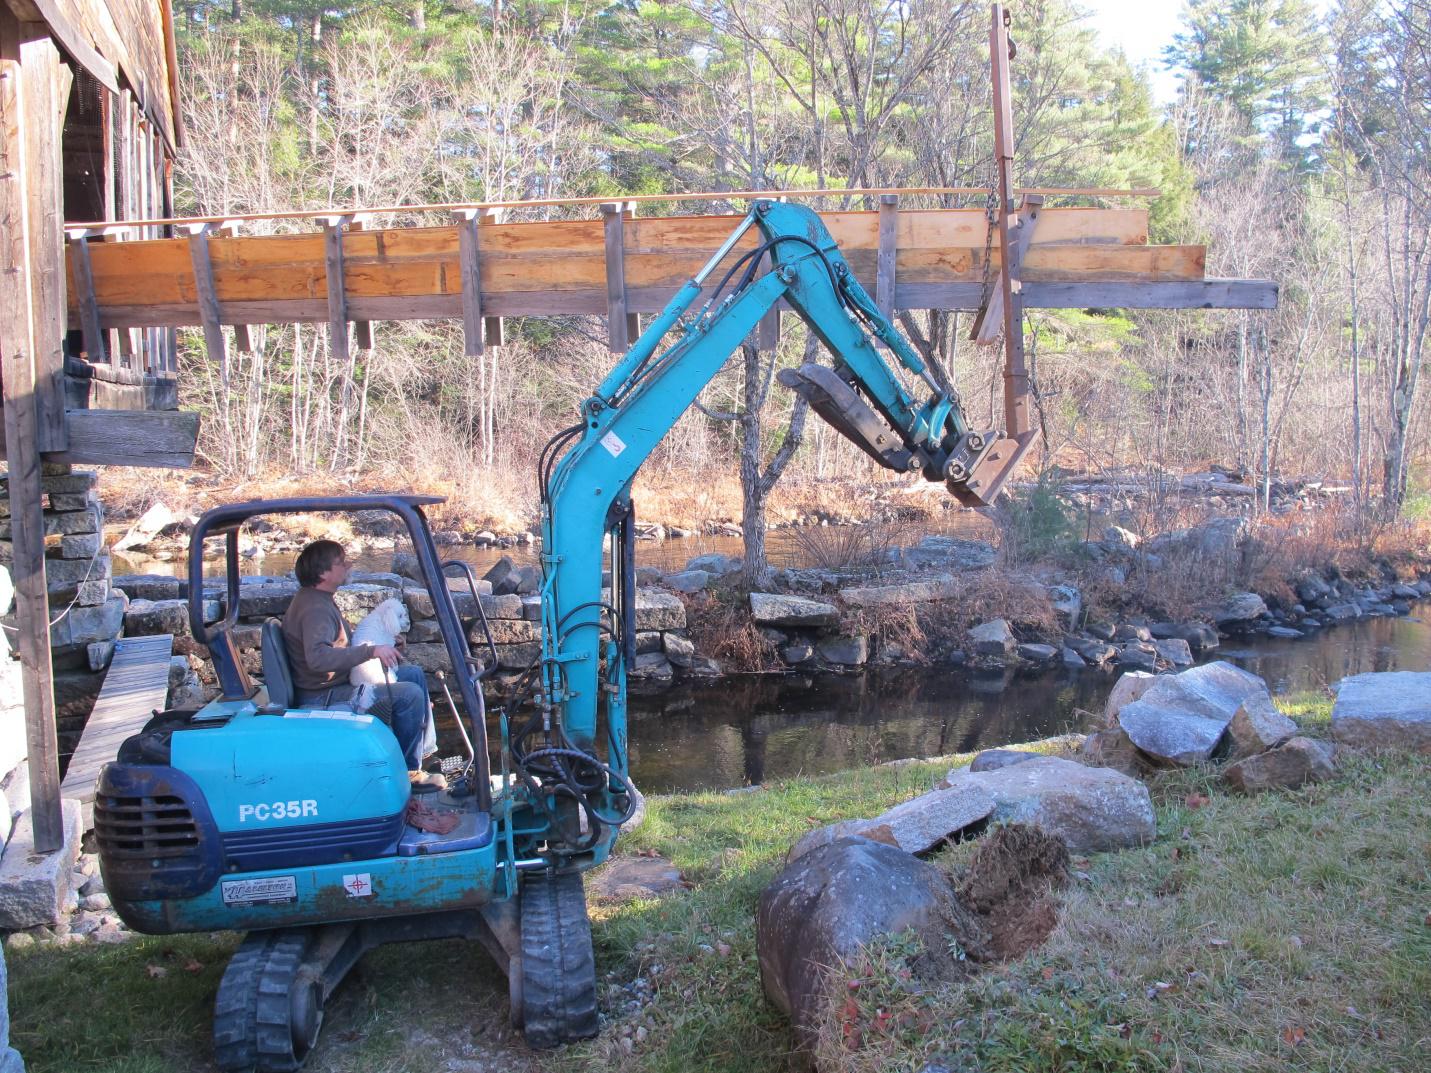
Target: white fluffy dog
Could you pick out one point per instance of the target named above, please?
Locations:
(381, 626)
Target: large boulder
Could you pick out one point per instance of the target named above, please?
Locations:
(1131, 686)
(145, 618)
(715, 563)
(1384, 709)
(840, 898)
(1090, 809)
(689, 580)
(1294, 763)
(951, 553)
(148, 586)
(1239, 609)
(929, 590)
(993, 638)
(846, 650)
(1214, 690)
(1256, 728)
(1173, 735)
(994, 759)
(915, 826)
(779, 609)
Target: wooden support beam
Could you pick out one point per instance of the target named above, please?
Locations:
(888, 251)
(618, 324)
(362, 329)
(1017, 416)
(469, 263)
(47, 92)
(162, 439)
(243, 339)
(208, 299)
(337, 296)
(70, 38)
(94, 343)
(20, 375)
(496, 330)
(989, 321)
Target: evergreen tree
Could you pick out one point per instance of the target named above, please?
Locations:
(1265, 58)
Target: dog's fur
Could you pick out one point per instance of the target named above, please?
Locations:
(380, 626)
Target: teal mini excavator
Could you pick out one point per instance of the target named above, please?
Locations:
(257, 814)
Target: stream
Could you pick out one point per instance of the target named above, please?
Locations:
(746, 729)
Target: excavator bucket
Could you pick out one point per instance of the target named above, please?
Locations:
(993, 469)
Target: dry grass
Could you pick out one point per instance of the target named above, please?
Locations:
(848, 547)
(721, 626)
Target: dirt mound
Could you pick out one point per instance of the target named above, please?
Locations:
(1010, 885)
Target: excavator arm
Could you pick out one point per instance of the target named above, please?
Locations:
(587, 470)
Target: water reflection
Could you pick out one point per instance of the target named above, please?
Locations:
(782, 548)
(749, 729)
(745, 730)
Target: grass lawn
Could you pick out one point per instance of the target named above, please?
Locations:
(1287, 931)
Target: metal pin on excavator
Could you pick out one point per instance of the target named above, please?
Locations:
(292, 824)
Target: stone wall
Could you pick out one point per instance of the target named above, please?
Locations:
(86, 612)
(160, 605)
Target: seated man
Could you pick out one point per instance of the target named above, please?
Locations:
(316, 637)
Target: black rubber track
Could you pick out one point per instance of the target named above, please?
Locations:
(558, 968)
(235, 1007)
(273, 1010)
(253, 1010)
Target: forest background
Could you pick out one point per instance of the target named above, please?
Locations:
(1296, 149)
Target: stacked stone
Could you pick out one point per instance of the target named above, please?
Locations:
(86, 612)
(160, 605)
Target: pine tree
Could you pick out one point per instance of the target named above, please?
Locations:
(1265, 58)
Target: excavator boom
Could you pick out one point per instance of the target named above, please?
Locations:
(588, 631)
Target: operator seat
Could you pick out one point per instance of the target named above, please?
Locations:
(277, 674)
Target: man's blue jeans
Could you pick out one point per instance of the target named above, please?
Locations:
(402, 705)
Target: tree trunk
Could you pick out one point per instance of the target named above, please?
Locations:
(417, 16)
(755, 486)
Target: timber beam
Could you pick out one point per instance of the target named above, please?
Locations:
(1094, 294)
(146, 438)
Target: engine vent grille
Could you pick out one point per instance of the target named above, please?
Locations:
(151, 827)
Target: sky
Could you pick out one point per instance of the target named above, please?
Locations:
(1142, 29)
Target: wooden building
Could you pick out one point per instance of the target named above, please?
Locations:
(89, 129)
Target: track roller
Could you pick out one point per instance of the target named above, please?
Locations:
(558, 992)
(270, 1006)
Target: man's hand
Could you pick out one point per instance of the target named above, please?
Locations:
(387, 655)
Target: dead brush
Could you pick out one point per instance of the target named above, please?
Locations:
(849, 547)
(985, 595)
(723, 629)
(893, 625)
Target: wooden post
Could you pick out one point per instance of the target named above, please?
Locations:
(337, 296)
(23, 132)
(243, 341)
(885, 262)
(633, 320)
(46, 81)
(208, 300)
(990, 318)
(496, 333)
(1017, 420)
(618, 325)
(94, 343)
(362, 329)
(469, 265)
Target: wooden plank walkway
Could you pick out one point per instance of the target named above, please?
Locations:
(136, 685)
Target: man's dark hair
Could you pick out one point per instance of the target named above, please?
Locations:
(316, 560)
